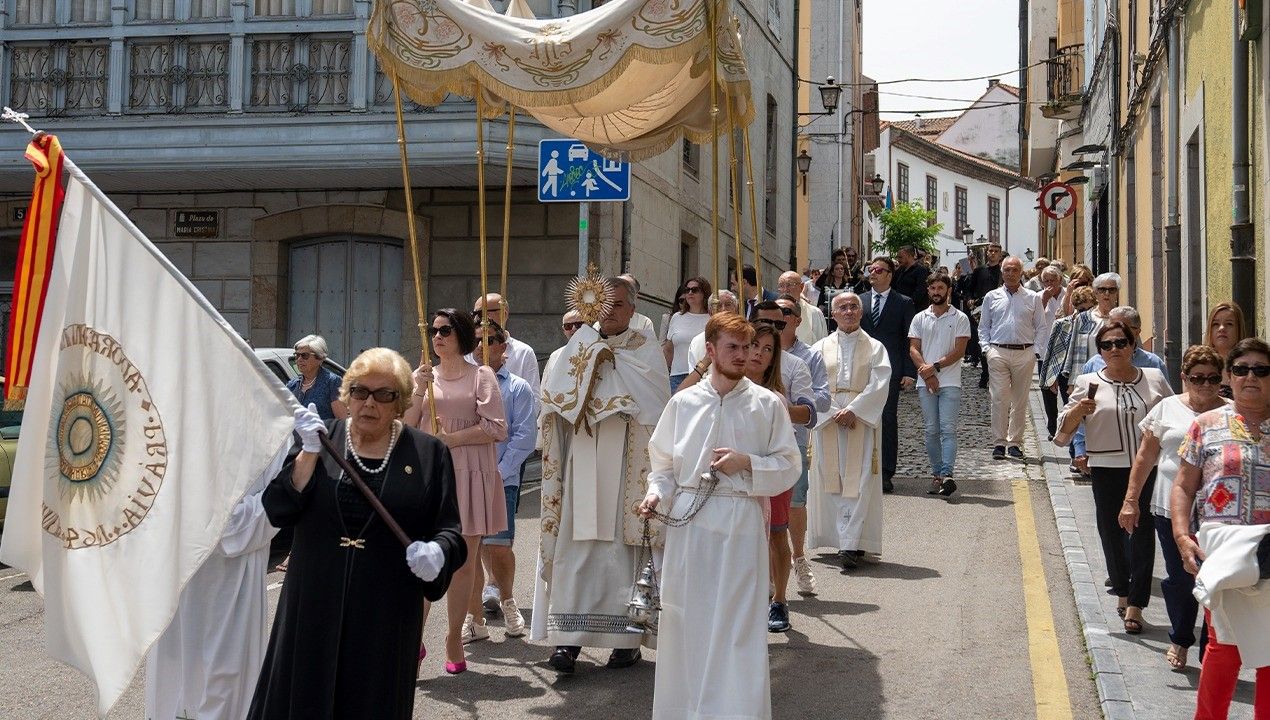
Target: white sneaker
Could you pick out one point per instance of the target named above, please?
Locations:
(472, 631)
(512, 619)
(806, 581)
(490, 598)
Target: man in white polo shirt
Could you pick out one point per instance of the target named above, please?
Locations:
(937, 343)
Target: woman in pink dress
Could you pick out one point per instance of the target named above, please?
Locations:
(470, 421)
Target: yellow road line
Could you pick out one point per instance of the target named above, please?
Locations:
(1049, 682)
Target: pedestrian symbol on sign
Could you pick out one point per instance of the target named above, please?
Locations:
(568, 171)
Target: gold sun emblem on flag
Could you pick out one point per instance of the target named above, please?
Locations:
(589, 295)
(87, 439)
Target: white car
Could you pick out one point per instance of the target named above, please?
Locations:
(281, 361)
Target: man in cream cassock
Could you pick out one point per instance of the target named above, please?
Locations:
(600, 402)
(712, 639)
(844, 506)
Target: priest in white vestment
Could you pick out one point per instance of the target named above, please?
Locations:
(712, 639)
(600, 401)
(844, 505)
(206, 664)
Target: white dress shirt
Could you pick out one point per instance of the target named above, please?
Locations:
(1012, 318)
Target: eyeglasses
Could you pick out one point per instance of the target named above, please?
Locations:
(878, 270)
(1201, 379)
(1105, 290)
(1242, 370)
(692, 289)
(572, 325)
(493, 340)
(382, 395)
(304, 356)
(1118, 343)
(778, 324)
(444, 330)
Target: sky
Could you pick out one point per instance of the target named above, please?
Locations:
(935, 39)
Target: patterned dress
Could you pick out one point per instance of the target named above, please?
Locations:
(1235, 469)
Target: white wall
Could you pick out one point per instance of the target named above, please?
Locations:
(989, 129)
(1018, 231)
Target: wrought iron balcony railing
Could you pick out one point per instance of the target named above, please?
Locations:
(1066, 74)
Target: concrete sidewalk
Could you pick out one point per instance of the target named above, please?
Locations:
(1133, 678)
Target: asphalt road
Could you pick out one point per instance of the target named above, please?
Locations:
(939, 629)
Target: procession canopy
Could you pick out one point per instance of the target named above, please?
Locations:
(629, 78)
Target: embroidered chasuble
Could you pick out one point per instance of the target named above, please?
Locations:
(600, 401)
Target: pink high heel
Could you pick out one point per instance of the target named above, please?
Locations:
(455, 668)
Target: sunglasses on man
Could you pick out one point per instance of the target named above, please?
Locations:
(1118, 343)
(778, 324)
(382, 395)
(493, 340)
(571, 326)
(1243, 370)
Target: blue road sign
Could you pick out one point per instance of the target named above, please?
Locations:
(569, 171)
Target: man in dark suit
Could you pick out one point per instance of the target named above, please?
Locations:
(887, 315)
(749, 291)
(910, 277)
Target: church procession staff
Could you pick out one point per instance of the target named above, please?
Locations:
(350, 616)
(600, 402)
(711, 663)
(844, 505)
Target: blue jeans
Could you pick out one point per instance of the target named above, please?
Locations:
(511, 493)
(675, 380)
(940, 411)
(799, 498)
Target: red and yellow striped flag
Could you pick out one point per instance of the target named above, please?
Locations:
(35, 261)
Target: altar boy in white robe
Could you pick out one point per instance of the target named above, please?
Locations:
(844, 505)
(206, 664)
(712, 638)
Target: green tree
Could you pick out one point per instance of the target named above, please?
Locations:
(908, 224)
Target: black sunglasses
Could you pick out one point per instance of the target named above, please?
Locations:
(304, 356)
(493, 340)
(1201, 379)
(1118, 343)
(692, 289)
(1242, 370)
(778, 324)
(1106, 290)
(382, 395)
(572, 325)
(445, 330)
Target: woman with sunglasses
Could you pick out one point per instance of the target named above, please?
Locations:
(1225, 328)
(350, 617)
(1110, 403)
(1163, 430)
(1222, 482)
(470, 421)
(687, 322)
(316, 384)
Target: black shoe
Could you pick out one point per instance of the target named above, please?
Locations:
(777, 618)
(1107, 582)
(947, 487)
(888, 487)
(623, 657)
(936, 483)
(1015, 452)
(564, 659)
(998, 452)
(848, 559)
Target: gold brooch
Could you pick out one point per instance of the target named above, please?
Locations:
(409, 470)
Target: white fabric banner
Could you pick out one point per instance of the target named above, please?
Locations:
(147, 419)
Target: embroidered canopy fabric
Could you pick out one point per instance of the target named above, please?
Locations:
(630, 77)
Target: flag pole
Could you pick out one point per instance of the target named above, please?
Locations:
(420, 305)
(370, 496)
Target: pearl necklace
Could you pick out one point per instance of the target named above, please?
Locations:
(352, 451)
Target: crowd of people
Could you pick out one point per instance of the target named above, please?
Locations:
(755, 425)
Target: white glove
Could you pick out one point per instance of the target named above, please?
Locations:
(309, 426)
(425, 560)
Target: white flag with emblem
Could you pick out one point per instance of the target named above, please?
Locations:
(146, 420)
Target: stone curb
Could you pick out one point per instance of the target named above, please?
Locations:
(1113, 694)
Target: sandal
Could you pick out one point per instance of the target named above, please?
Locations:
(1133, 625)
(1120, 609)
(1176, 655)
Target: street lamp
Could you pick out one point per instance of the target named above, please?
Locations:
(1029, 254)
(803, 161)
(1080, 165)
(830, 94)
(967, 234)
(878, 183)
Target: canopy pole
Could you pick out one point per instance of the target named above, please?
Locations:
(749, 181)
(507, 197)
(734, 177)
(420, 305)
(712, 21)
(480, 202)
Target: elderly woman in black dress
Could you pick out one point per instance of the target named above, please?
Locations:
(345, 640)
